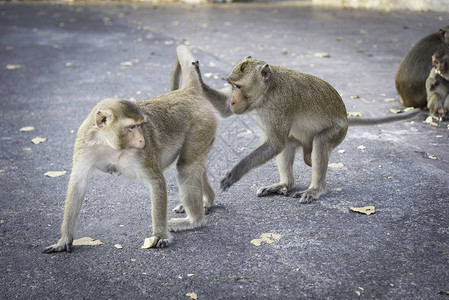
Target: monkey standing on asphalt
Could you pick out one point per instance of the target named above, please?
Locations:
(296, 110)
(140, 140)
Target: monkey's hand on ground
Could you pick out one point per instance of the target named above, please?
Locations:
(280, 189)
(59, 247)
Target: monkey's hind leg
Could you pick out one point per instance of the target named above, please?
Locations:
(323, 144)
(208, 197)
(285, 167)
(208, 193)
(191, 192)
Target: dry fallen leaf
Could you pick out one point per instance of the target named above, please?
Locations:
(256, 242)
(13, 67)
(27, 128)
(322, 54)
(339, 39)
(1, 171)
(38, 140)
(193, 296)
(395, 111)
(408, 109)
(148, 242)
(362, 31)
(431, 156)
(354, 114)
(445, 293)
(367, 210)
(336, 165)
(389, 99)
(87, 241)
(355, 97)
(341, 151)
(275, 236)
(118, 246)
(126, 63)
(361, 147)
(267, 238)
(55, 173)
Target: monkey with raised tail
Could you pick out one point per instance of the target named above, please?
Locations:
(140, 140)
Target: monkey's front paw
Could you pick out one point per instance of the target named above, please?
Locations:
(58, 248)
(280, 189)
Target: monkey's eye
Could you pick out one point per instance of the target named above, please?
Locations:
(236, 86)
(132, 127)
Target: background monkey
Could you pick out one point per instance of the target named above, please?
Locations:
(296, 109)
(140, 140)
(414, 69)
(437, 92)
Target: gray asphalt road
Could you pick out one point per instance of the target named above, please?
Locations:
(63, 59)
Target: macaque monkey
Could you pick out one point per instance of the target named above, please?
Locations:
(140, 140)
(414, 69)
(296, 110)
(437, 92)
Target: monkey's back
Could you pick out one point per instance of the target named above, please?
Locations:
(310, 94)
(414, 69)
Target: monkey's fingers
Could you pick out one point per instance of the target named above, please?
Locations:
(227, 181)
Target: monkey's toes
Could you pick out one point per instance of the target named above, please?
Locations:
(57, 248)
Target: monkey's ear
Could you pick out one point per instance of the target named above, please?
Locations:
(103, 118)
(265, 72)
(248, 57)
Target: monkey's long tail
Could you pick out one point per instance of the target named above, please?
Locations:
(375, 121)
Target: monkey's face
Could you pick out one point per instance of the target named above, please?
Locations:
(249, 83)
(119, 125)
(239, 102)
(132, 135)
(440, 66)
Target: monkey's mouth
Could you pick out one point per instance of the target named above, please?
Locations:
(239, 111)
